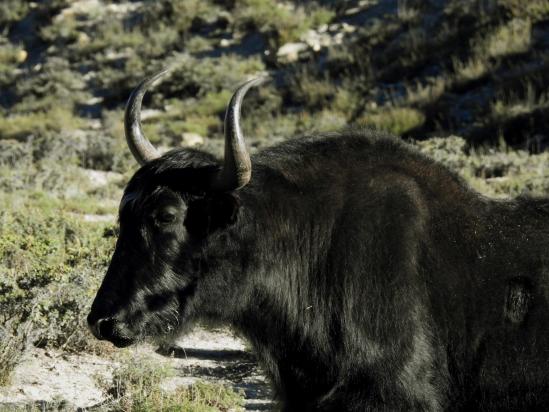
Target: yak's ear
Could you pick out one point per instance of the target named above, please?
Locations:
(214, 212)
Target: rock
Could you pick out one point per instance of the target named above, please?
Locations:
(191, 140)
(226, 42)
(97, 8)
(94, 100)
(289, 52)
(21, 56)
(112, 55)
(123, 8)
(99, 218)
(100, 178)
(315, 40)
(83, 39)
(150, 114)
(347, 28)
(353, 10)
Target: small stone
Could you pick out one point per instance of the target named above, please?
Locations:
(225, 43)
(21, 56)
(191, 139)
(83, 39)
(290, 51)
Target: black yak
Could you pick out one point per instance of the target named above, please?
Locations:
(366, 276)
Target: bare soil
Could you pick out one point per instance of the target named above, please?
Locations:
(53, 379)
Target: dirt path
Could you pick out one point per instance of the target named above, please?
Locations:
(50, 377)
(220, 357)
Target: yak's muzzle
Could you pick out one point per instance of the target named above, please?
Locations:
(109, 329)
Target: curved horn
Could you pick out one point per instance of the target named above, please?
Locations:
(237, 168)
(141, 148)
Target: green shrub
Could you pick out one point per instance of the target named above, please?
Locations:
(45, 247)
(178, 14)
(501, 172)
(62, 32)
(112, 34)
(193, 77)
(13, 342)
(288, 20)
(395, 120)
(513, 37)
(12, 11)
(11, 55)
(312, 93)
(39, 123)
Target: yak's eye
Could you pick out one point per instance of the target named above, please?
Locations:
(165, 217)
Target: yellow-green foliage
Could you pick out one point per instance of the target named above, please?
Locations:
(112, 34)
(12, 10)
(136, 387)
(514, 104)
(288, 20)
(61, 31)
(212, 75)
(471, 69)
(501, 172)
(10, 55)
(426, 92)
(182, 12)
(12, 345)
(534, 9)
(396, 120)
(45, 247)
(315, 93)
(55, 119)
(514, 37)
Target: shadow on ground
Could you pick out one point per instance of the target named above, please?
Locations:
(234, 367)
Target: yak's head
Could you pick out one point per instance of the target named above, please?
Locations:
(170, 208)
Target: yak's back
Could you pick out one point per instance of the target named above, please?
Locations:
(350, 159)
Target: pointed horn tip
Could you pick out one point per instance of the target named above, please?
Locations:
(237, 168)
(161, 73)
(243, 89)
(252, 82)
(259, 80)
(140, 147)
(142, 88)
(148, 81)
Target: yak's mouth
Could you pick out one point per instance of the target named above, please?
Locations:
(121, 342)
(165, 318)
(112, 331)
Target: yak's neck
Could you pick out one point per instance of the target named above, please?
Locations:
(286, 282)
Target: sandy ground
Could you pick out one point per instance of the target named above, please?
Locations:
(45, 376)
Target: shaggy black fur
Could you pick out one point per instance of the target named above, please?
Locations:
(366, 276)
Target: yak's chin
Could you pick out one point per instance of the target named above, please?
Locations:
(121, 342)
(167, 336)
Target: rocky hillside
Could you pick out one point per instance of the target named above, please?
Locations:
(416, 68)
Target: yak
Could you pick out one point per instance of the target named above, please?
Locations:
(365, 275)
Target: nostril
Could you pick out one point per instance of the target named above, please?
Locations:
(112, 330)
(105, 328)
(102, 328)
